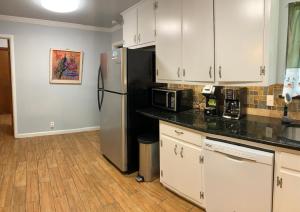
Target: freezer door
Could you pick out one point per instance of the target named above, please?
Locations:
(113, 138)
(114, 71)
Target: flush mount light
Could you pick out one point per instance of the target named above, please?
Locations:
(61, 6)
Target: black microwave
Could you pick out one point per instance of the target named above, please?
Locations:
(172, 99)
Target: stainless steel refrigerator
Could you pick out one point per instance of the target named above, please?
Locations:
(125, 79)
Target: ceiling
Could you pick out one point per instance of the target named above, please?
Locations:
(98, 13)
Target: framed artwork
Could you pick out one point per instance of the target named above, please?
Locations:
(65, 66)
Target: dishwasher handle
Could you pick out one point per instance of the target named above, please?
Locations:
(236, 158)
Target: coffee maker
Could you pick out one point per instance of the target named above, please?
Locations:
(234, 103)
(214, 100)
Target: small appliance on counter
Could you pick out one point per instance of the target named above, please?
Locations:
(214, 100)
(234, 103)
(172, 99)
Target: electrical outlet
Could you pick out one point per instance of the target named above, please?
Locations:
(269, 132)
(270, 100)
(52, 125)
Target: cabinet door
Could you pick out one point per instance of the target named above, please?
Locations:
(168, 40)
(239, 32)
(287, 183)
(169, 161)
(190, 169)
(198, 40)
(130, 28)
(181, 167)
(146, 22)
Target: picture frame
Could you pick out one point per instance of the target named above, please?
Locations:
(66, 66)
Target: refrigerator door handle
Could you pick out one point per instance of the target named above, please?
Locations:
(100, 77)
(100, 102)
(99, 70)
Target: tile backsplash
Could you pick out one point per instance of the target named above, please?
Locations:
(256, 100)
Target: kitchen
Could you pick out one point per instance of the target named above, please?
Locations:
(198, 105)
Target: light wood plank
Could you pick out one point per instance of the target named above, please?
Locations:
(19, 196)
(68, 173)
(6, 191)
(61, 204)
(46, 198)
(32, 207)
(20, 178)
(56, 182)
(74, 200)
(32, 188)
(43, 171)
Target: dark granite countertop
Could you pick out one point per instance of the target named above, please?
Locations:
(259, 129)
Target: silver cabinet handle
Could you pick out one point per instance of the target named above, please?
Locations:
(210, 73)
(178, 132)
(201, 159)
(139, 38)
(175, 149)
(220, 71)
(181, 152)
(178, 72)
(279, 182)
(262, 70)
(134, 39)
(201, 195)
(183, 72)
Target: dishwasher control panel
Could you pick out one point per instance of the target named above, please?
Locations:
(239, 152)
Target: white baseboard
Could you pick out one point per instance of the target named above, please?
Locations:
(57, 132)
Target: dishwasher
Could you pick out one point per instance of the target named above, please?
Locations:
(237, 178)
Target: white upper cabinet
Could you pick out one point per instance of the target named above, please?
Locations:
(139, 25)
(222, 42)
(239, 37)
(185, 41)
(130, 28)
(146, 22)
(168, 40)
(198, 40)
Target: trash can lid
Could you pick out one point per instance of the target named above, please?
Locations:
(148, 138)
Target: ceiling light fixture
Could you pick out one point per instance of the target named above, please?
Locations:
(61, 6)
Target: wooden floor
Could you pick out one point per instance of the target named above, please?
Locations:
(67, 173)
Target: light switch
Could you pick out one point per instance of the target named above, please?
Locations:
(270, 100)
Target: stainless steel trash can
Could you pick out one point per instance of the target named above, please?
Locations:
(149, 158)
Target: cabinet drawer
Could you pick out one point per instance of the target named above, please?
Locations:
(181, 133)
(289, 161)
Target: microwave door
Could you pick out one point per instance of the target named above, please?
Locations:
(160, 99)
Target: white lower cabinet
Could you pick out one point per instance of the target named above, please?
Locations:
(182, 170)
(287, 183)
(181, 165)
